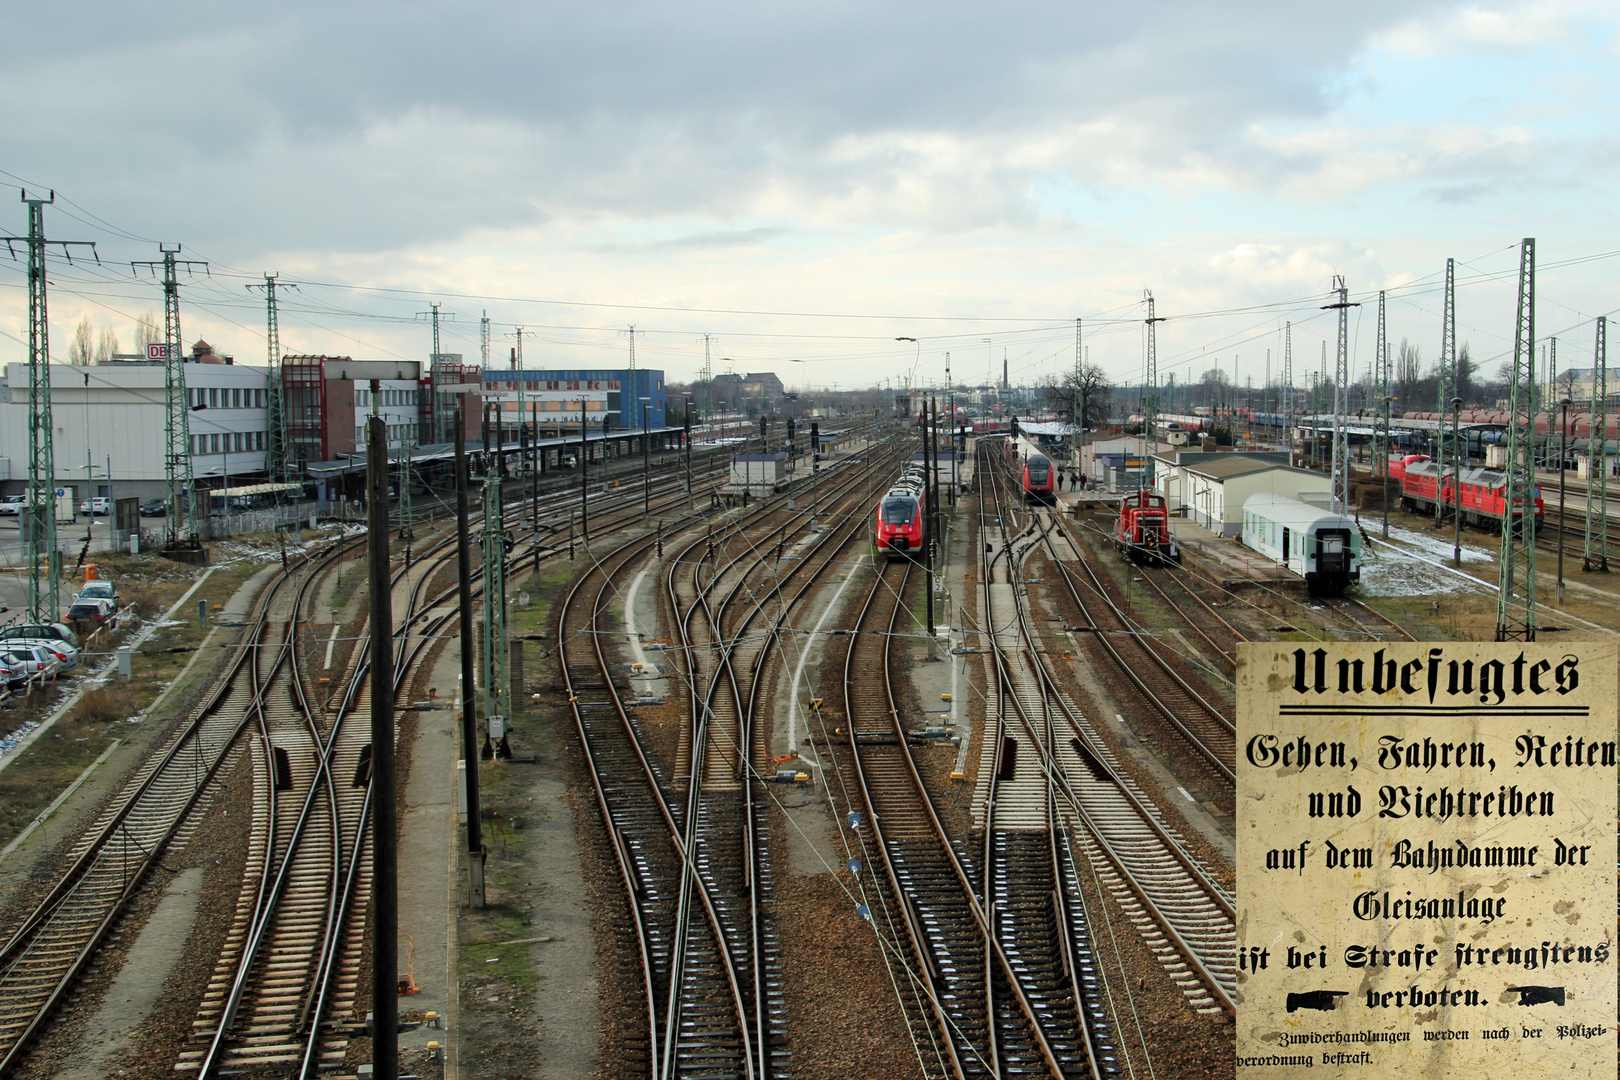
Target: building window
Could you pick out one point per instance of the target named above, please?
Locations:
(258, 399)
(214, 442)
(213, 398)
(259, 438)
(236, 398)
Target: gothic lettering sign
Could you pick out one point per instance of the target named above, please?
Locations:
(1426, 860)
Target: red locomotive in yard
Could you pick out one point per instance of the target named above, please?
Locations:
(1482, 494)
(1142, 533)
(900, 525)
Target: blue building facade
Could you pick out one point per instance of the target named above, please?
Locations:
(554, 396)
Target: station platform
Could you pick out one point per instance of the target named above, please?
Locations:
(1225, 560)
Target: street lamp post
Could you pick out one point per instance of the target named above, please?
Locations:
(1563, 456)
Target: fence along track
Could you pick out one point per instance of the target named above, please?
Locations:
(52, 946)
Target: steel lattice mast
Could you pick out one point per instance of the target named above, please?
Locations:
(1516, 580)
(176, 402)
(1150, 393)
(39, 520)
(1446, 448)
(1288, 384)
(1381, 383)
(1341, 391)
(274, 406)
(1597, 457)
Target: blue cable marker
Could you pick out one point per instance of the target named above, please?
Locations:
(854, 819)
(864, 912)
(854, 867)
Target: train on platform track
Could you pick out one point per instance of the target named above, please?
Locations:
(1037, 475)
(1482, 495)
(901, 522)
(1142, 531)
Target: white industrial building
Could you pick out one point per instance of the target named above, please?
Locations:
(109, 426)
(1211, 488)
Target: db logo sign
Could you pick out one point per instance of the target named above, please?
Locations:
(157, 351)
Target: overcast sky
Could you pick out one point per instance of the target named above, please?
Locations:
(808, 182)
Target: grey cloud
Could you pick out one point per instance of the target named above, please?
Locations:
(373, 126)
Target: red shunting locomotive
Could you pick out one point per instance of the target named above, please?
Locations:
(1142, 533)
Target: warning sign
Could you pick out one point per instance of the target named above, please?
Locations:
(1426, 860)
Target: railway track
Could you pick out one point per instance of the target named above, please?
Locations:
(1185, 917)
(263, 1009)
(45, 955)
(692, 847)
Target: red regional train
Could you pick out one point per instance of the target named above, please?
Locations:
(1484, 493)
(900, 532)
(1142, 533)
(1037, 478)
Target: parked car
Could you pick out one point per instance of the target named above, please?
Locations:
(40, 631)
(91, 611)
(12, 505)
(99, 589)
(154, 508)
(65, 655)
(98, 505)
(26, 661)
(569, 461)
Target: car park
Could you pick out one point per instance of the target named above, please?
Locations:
(98, 505)
(154, 508)
(12, 505)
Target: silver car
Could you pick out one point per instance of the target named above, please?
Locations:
(27, 661)
(65, 655)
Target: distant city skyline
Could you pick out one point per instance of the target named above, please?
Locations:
(807, 184)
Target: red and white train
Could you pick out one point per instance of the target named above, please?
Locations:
(902, 528)
(1482, 495)
(1037, 476)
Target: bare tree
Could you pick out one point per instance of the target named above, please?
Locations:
(1082, 394)
(106, 346)
(147, 331)
(80, 349)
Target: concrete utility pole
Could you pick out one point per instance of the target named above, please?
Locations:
(1341, 380)
(38, 522)
(177, 403)
(275, 459)
(1516, 568)
(384, 864)
(497, 676)
(1597, 457)
(469, 719)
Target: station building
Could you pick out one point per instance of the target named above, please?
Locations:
(109, 425)
(555, 400)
